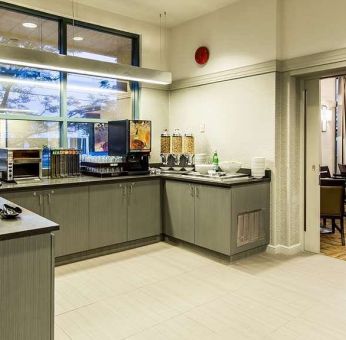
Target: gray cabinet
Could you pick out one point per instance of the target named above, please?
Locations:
(144, 209)
(179, 210)
(225, 220)
(26, 294)
(69, 208)
(213, 218)
(198, 214)
(66, 206)
(31, 200)
(107, 214)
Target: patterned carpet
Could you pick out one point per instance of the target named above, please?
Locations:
(331, 245)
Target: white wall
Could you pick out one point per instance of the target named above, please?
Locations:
(238, 35)
(311, 26)
(154, 106)
(239, 117)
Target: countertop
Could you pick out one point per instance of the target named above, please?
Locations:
(226, 183)
(26, 224)
(86, 180)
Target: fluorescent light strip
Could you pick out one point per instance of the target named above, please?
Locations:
(83, 72)
(77, 65)
(46, 84)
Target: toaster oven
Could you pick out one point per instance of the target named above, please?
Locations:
(20, 164)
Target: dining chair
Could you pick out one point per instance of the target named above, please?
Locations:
(342, 169)
(324, 171)
(332, 196)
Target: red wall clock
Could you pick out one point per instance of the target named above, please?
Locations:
(202, 55)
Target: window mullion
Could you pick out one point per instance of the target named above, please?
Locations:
(63, 109)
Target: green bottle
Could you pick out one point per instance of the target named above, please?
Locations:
(216, 160)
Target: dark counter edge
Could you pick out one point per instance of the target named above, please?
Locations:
(89, 180)
(28, 233)
(26, 224)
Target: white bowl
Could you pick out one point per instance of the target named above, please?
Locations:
(203, 168)
(230, 167)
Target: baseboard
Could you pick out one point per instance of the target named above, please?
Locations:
(285, 250)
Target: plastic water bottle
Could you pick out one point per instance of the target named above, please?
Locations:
(215, 161)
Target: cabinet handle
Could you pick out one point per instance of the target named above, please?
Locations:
(192, 192)
(123, 189)
(40, 199)
(197, 192)
(131, 188)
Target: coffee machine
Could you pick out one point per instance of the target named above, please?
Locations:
(130, 139)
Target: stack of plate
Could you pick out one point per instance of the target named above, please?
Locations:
(258, 167)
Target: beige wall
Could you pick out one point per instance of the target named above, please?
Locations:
(239, 117)
(154, 106)
(311, 26)
(238, 35)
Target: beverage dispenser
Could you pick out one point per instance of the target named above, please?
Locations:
(131, 139)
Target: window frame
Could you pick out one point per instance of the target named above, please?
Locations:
(63, 22)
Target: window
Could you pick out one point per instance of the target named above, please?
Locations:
(28, 91)
(43, 107)
(29, 31)
(87, 43)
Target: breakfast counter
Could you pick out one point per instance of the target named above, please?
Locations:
(89, 180)
(96, 215)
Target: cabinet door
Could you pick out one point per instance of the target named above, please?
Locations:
(69, 208)
(179, 211)
(213, 218)
(144, 209)
(107, 214)
(31, 200)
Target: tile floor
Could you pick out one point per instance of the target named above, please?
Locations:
(165, 292)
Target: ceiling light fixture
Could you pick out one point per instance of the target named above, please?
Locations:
(64, 63)
(78, 38)
(29, 25)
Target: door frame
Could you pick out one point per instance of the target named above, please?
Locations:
(300, 102)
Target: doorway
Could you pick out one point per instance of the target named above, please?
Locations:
(324, 142)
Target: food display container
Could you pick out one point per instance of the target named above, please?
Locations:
(165, 142)
(177, 142)
(189, 144)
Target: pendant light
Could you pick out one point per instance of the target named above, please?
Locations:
(65, 63)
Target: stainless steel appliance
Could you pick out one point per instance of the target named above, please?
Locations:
(130, 139)
(20, 164)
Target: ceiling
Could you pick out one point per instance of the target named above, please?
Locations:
(178, 11)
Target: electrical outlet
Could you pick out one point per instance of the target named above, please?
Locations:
(202, 128)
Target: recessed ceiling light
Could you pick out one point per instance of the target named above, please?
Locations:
(29, 25)
(77, 38)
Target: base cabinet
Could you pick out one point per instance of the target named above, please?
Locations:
(98, 215)
(213, 218)
(107, 214)
(226, 220)
(27, 288)
(179, 211)
(68, 207)
(32, 200)
(144, 209)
